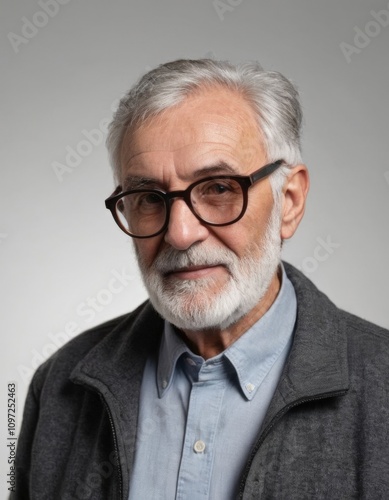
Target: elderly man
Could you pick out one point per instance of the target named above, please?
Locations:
(238, 379)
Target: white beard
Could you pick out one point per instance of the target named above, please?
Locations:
(190, 304)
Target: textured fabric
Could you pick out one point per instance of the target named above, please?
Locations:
(324, 436)
(187, 404)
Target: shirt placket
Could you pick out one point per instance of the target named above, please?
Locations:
(205, 404)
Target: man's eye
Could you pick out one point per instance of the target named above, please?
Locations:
(219, 188)
(148, 203)
(151, 199)
(140, 202)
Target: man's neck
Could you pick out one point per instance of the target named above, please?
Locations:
(211, 342)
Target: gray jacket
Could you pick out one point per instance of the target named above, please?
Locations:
(325, 436)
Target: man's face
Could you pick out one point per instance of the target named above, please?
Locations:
(200, 276)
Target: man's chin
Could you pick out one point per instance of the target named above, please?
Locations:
(198, 307)
(195, 320)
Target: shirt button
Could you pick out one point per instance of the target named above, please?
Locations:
(250, 387)
(164, 384)
(199, 446)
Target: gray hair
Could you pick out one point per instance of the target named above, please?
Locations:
(273, 98)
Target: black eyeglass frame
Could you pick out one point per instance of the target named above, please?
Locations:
(245, 181)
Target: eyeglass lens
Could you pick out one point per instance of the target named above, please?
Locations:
(216, 201)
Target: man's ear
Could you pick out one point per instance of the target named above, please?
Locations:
(294, 194)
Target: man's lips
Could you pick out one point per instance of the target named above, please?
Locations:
(193, 272)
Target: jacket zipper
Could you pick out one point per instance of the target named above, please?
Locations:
(115, 440)
(116, 447)
(277, 417)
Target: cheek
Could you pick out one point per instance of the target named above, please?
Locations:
(147, 249)
(259, 212)
(237, 238)
(246, 235)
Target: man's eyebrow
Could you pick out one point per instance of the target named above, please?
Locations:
(138, 182)
(141, 182)
(220, 168)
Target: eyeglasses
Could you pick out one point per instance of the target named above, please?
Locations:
(216, 201)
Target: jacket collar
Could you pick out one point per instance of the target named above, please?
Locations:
(120, 357)
(317, 365)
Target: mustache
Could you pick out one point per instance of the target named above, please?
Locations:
(170, 259)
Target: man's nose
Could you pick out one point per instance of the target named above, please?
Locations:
(184, 228)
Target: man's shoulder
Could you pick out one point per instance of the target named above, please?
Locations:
(361, 326)
(86, 340)
(69, 355)
(308, 292)
(367, 342)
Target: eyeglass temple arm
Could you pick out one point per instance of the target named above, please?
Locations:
(265, 171)
(116, 192)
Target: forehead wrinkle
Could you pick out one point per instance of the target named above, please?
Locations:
(139, 154)
(228, 129)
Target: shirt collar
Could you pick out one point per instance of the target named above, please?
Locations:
(172, 347)
(252, 355)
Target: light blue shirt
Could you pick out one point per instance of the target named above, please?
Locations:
(199, 419)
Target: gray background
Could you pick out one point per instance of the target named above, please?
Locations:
(58, 244)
